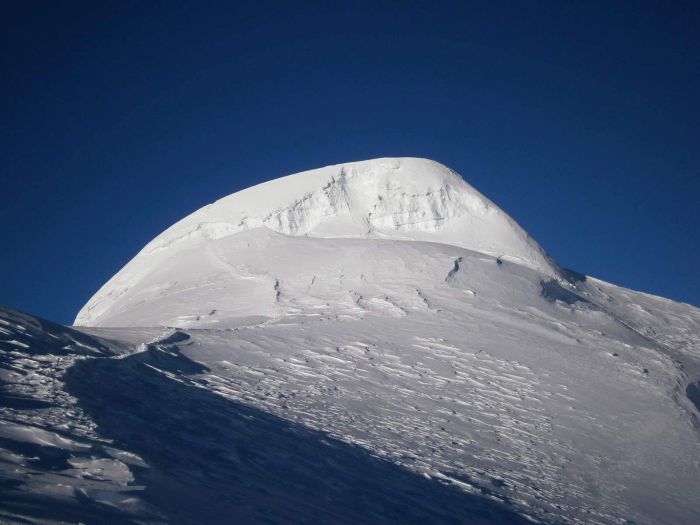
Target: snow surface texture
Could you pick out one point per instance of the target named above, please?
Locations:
(319, 370)
(401, 199)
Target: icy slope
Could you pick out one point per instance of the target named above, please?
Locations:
(398, 199)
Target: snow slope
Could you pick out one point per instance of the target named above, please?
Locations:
(399, 199)
(95, 430)
(327, 368)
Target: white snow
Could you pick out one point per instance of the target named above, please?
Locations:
(383, 307)
(400, 199)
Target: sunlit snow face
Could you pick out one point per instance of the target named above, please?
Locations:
(389, 199)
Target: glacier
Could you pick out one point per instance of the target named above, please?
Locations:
(371, 342)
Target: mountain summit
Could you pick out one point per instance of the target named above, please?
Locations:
(400, 199)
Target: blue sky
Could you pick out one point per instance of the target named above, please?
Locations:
(580, 119)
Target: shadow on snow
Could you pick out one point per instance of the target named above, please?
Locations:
(213, 460)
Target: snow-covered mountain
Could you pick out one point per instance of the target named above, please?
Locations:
(373, 342)
(385, 199)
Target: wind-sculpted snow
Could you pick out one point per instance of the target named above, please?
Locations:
(55, 466)
(114, 437)
(399, 199)
(482, 399)
(367, 343)
(255, 467)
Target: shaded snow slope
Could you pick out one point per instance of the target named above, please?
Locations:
(94, 430)
(399, 199)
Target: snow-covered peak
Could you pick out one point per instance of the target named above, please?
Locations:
(399, 199)
(393, 198)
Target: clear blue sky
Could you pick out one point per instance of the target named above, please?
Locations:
(580, 119)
